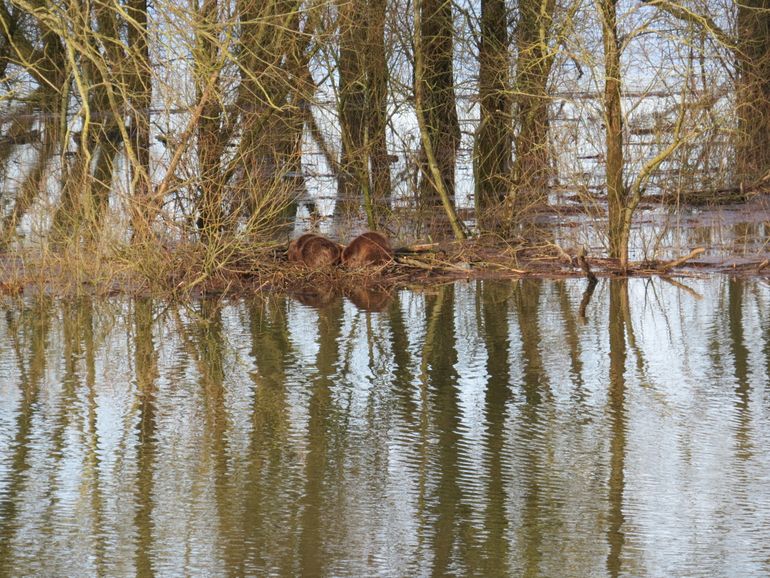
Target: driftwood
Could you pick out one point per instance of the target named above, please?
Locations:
(419, 248)
(434, 265)
(682, 260)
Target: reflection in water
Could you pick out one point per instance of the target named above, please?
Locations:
(486, 428)
(369, 299)
(365, 298)
(146, 373)
(619, 315)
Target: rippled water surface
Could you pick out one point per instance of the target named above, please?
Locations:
(488, 428)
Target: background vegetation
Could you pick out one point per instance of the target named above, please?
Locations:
(210, 124)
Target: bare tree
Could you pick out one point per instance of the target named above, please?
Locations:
(435, 107)
(493, 144)
(750, 46)
(613, 122)
(534, 34)
(436, 86)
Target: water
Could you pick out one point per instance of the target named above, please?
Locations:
(485, 428)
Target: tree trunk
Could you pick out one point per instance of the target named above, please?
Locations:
(434, 166)
(140, 100)
(438, 97)
(613, 120)
(493, 139)
(271, 98)
(363, 93)
(531, 169)
(87, 182)
(753, 90)
(108, 83)
(354, 177)
(377, 78)
(210, 138)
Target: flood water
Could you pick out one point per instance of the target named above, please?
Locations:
(483, 428)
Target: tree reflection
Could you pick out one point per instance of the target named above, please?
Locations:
(619, 315)
(440, 410)
(28, 335)
(146, 369)
(736, 292)
(326, 446)
(571, 334)
(270, 493)
(535, 388)
(494, 297)
(455, 433)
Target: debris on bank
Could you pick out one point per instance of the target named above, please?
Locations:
(367, 270)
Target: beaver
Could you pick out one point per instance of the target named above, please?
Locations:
(295, 245)
(366, 250)
(314, 251)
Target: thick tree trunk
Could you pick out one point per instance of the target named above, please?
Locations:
(377, 77)
(363, 93)
(435, 180)
(272, 95)
(438, 97)
(210, 139)
(753, 90)
(613, 120)
(493, 139)
(531, 169)
(140, 100)
(354, 177)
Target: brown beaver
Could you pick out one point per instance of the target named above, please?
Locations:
(366, 250)
(314, 251)
(295, 245)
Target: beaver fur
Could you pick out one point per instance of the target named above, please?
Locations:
(366, 250)
(314, 251)
(294, 253)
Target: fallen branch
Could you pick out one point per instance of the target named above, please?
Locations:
(501, 267)
(414, 263)
(677, 262)
(421, 248)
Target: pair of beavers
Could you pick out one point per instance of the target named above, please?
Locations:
(315, 251)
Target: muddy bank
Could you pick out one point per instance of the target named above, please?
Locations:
(484, 258)
(188, 271)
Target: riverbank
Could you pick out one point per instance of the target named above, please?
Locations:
(192, 270)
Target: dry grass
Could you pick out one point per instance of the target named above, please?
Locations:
(183, 271)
